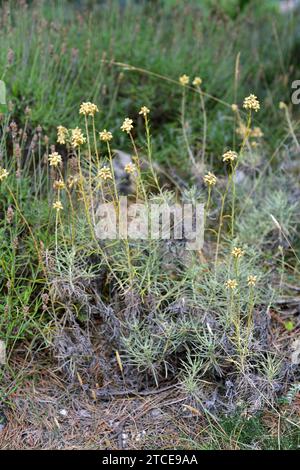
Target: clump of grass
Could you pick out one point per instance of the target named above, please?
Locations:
(200, 319)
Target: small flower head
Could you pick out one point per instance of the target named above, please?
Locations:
(57, 205)
(251, 103)
(105, 173)
(127, 125)
(231, 284)
(282, 105)
(256, 133)
(77, 138)
(210, 179)
(72, 181)
(197, 81)
(88, 109)
(237, 252)
(229, 156)
(105, 135)
(129, 168)
(251, 281)
(234, 107)
(54, 159)
(243, 131)
(144, 111)
(59, 184)
(62, 134)
(3, 174)
(184, 80)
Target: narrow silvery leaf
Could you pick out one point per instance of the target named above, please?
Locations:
(2, 92)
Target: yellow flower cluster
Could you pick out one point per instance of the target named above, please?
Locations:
(105, 135)
(127, 125)
(282, 105)
(197, 81)
(62, 134)
(59, 184)
(54, 159)
(57, 205)
(237, 252)
(105, 173)
(242, 130)
(229, 156)
(251, 103)
(3, 174)
(255, 133)
(77, 138)
(72, 181)
(231, 284)
(88, 109)
(130, 168)
(210, 179)
(184, 80)
(252, 281)
(144, 111)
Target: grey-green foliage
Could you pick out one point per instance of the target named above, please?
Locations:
(273, 198)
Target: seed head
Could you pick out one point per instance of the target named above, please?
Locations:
(105, 136)
(237, 252)
(282, 105)
(127, 125)
(57, 205)
(105, 173)
(251, 103)
(252, 281)
(62, 133)
(88, 109)
(144, 111)
(54, 159)
(72, 181)
(59, 184)
(3, 174)
(130, 168)
(256, 133)
(77, 138)
(10, 215)
(242, 130)
(10, 56)
(229, 156)
(197, 81)
(210, 179)
(184, 80)
(231, 284)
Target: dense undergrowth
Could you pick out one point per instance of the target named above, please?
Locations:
(55, 55)
(137, 314)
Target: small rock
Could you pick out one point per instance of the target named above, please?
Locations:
(155, 412)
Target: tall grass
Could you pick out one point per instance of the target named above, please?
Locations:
(50, 52)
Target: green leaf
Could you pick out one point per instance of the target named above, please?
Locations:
(2, 93)
(289, 325)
